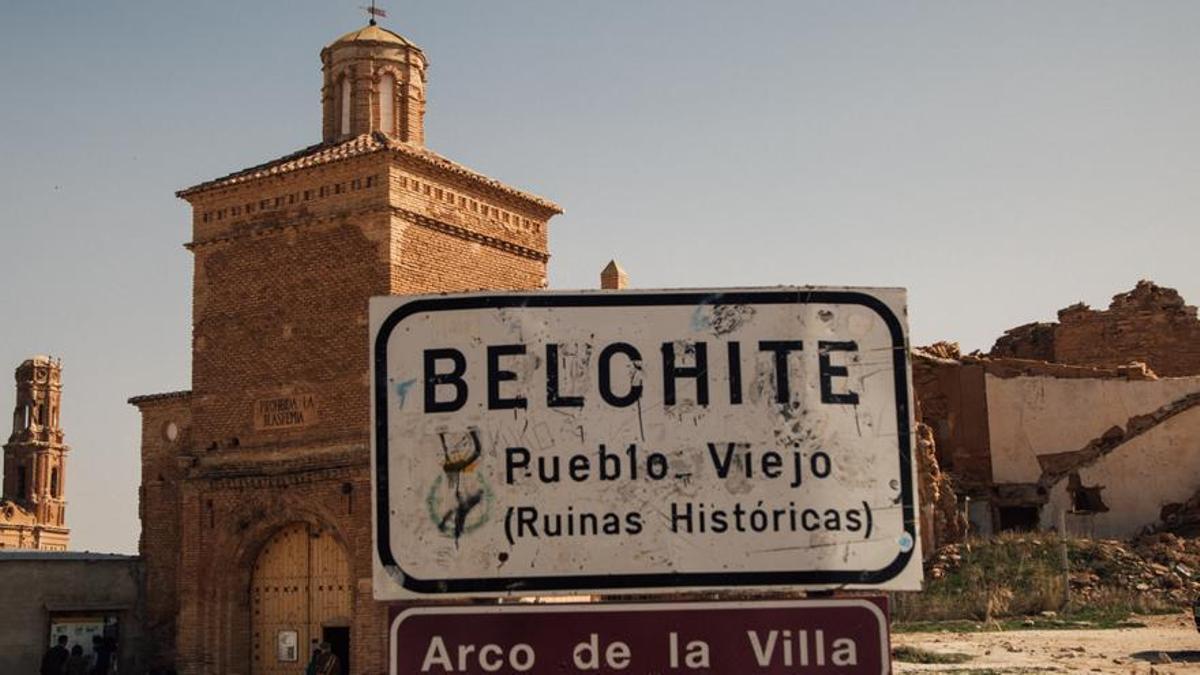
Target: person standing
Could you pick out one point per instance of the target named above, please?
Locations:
(77, 663)
(54, 661)
(328, 663)
(102, 653)
(311, 668)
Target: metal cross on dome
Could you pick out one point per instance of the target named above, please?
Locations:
(373, 12)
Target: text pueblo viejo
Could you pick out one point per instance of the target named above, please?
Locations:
(712, 372)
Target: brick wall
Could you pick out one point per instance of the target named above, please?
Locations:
(951, 401)
(166, 424)
(280, 308)
(1030, 341)
(1150, 324)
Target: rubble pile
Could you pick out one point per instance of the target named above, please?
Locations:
(943, 350)
(1182, 519)
(1156, 570)
(1173, 562)
(1161, 568)
(945, 560)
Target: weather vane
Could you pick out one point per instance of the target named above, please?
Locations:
(373, 12)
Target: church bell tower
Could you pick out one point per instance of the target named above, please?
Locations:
(256, 482)
(32, 511)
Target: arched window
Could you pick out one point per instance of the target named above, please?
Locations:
(54, 486)
(22, 483)
(345, 97)
(387, 104)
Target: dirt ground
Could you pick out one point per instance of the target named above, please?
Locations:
(1168, 644)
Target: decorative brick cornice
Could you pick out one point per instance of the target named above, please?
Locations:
(256, 482)
(324, 153)
(432, 159)
(411, 216)
(298, 465)
(471, 235)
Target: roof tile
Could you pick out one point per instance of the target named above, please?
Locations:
(324, 153)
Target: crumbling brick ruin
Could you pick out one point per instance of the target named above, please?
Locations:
(1015, 436)
(1150, 324)
(1072, 420)
(940, 522)
(949, 395)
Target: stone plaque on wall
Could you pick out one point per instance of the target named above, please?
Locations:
(285, 412)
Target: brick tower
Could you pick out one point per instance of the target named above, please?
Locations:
(32, 509)
(255, 497)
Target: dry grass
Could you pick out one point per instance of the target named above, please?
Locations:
(1130, 601)
(1020, 575)
(1004, 576)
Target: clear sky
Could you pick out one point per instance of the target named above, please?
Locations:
(1000, 160)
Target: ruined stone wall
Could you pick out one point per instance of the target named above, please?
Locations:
(1033, 341)
(939, 517)
(1000, 423)
(1149, 324)
(1091, 447)
(1034, 416)
(1134, 482)
(950, 399)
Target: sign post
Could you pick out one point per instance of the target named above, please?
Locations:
(648, 442)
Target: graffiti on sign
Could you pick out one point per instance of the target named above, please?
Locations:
(642, 440)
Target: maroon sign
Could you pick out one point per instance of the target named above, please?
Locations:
(843, 635)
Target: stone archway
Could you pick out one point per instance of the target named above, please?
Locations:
(300, 588)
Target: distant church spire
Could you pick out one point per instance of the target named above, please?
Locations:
(35, 461)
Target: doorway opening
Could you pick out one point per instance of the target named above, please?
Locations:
(338, 638)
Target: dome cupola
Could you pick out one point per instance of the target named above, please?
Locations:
(374, 80)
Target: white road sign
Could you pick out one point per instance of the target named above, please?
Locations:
(617, 442)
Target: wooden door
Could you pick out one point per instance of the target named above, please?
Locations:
(301, 584)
